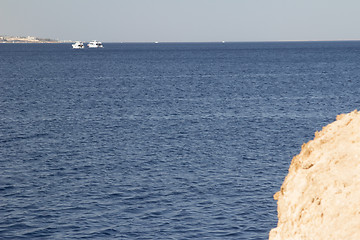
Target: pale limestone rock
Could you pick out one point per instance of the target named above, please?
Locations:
(320, 197)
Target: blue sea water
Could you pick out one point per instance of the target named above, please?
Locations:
(160, 141)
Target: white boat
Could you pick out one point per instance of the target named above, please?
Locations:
(95, 44)
(78, 45)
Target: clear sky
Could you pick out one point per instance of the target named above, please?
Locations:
(181, 20)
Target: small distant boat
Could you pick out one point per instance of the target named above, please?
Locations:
(77, 45)
(95, 44)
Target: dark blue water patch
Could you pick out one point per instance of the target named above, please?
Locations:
(160, 141)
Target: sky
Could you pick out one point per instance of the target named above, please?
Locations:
(182, 20)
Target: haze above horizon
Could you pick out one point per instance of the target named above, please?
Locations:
(181, 20)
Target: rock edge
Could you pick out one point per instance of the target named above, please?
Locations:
(320, 196)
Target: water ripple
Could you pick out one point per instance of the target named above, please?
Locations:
(173, 141)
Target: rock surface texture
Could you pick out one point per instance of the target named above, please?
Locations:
(320, 197)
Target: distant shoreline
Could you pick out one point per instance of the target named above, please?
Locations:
(30, 39)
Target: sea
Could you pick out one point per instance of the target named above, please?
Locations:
(160, 141)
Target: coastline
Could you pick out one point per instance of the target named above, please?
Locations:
(30, 39)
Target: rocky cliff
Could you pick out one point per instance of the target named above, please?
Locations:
(320, 197)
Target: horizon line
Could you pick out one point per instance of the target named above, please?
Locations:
(250, 41)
